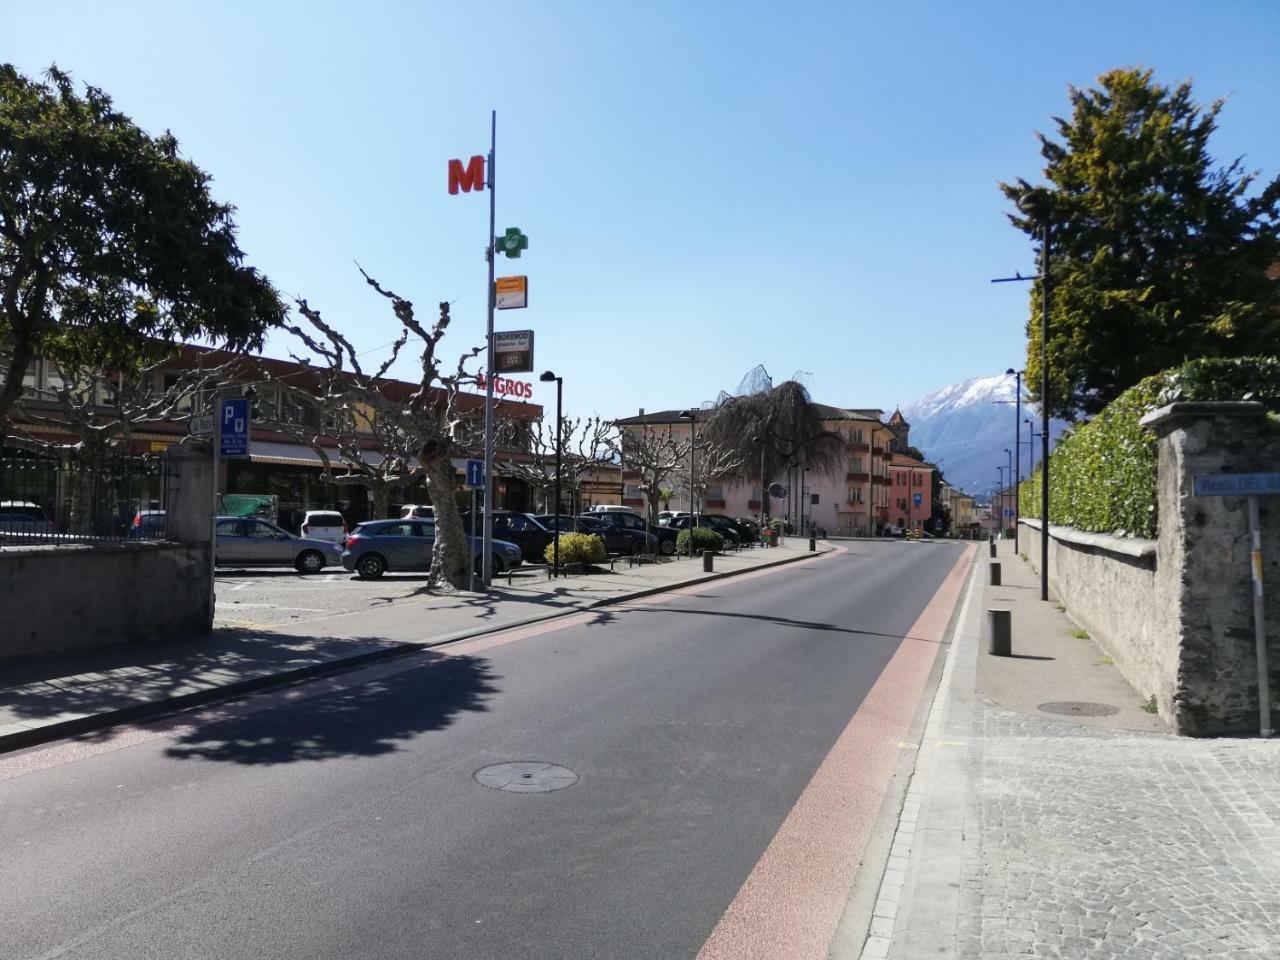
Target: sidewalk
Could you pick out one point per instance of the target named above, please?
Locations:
(42, 700)
(1049, 815)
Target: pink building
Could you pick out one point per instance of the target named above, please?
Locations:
(910, 491)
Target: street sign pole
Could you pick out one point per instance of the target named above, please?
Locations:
(490, 372)
(1259, 620)
(215, 440)
(471, 563)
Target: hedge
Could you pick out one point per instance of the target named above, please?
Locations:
(703, 539)
(1102, 474)
(576, 548)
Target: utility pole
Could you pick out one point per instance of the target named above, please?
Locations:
(490, 252)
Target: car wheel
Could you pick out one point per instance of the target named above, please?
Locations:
(371, 566)
(495, 564)
(637, 548)
(667, 547)
(309, 561)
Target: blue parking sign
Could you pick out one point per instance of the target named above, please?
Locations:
(233, 427)
(475, 473)
(917, 498)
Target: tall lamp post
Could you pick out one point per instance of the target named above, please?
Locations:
(1013, 494)
(1031, 436)
(548, 377)
(1036, 205)
(762, 441)
(687, 415)
(1017, 455)
(1000, 496)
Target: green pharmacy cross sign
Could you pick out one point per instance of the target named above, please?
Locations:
(512, 242)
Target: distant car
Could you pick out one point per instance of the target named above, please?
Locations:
(892, 530)
(376, 546)
(611, 508)
(666, 516)
(630, 521)
(522, 529)
(23, 516)
(617, 539)
(417, 511)
(149, 525)
(249, 541)
(721, 525)
(324, 525)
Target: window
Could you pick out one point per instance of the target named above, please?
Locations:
(631, 491)
(855, 464)
(230, 528)
(260, 528)
(522, 525)
(855, 495)
(715, 492)
(399, 530)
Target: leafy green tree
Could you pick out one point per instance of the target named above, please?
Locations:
(1157, 256)
(110, 242)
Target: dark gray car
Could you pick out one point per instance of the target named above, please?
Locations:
(251, 542)
(375, 547)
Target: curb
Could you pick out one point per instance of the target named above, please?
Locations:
(30, 736)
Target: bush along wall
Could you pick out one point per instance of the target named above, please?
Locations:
(1102, 475)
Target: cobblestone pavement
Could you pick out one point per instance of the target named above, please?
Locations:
(1093, 843)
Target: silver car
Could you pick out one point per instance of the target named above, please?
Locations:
(250, 541)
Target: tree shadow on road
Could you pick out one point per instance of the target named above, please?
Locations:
(603, 617)
(361, 716)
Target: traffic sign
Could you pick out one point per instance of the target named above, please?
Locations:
(475, 474)
(201, 425)
(1236, 484)
(511, 293)
(917, 498)
(233, 427)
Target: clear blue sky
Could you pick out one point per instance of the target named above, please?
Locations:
(706, 186)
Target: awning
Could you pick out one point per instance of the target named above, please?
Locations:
(300, 455)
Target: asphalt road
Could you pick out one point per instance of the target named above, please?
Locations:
(347, 822)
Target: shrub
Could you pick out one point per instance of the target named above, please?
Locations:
(576, 548)
(1102, 475)
(703, 539)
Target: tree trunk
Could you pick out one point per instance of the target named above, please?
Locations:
(451, 552)
(381, 491)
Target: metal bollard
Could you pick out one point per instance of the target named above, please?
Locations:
(707, 556)
(993, 573)
(992, 544)
(1000, 632)
(813, 544)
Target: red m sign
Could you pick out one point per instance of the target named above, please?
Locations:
(468, 178)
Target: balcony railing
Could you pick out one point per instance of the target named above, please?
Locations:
(858, 447)
(877, 451)
(882, 481)
(857, 477)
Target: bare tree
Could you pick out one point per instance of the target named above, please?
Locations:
(655, 455)
(588, 447)
(422, 425)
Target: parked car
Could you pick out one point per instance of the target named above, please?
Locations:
(666, 516)
(376, 546)
(720, 525)
(324, 525)
(611, 508)
(249, 541)
(149, 525)
(23, 516)
(417, 510)
(617, 539)
(748, 530)
(892, 530)
(518, 528)
(630, 521)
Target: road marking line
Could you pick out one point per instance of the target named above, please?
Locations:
(790, 904)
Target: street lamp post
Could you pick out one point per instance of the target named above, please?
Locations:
(559, 381)
(1013, 494)
(1000, 497)
(1017, 456)
(687, 415)
(1031, 450)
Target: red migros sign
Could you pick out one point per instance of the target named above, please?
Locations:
(468, 178)
(507, 387)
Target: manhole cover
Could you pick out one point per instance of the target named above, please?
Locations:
(526, 776)
(1079, 708)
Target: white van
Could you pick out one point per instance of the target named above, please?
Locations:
(417, 511)
(325, 525)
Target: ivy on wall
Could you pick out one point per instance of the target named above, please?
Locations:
(1102, 475)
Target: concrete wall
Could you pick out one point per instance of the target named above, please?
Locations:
(1176, 614)
(76, 597)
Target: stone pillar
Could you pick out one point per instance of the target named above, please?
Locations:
(1203, 563)
(190, 503)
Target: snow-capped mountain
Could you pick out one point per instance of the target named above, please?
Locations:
(966, 427)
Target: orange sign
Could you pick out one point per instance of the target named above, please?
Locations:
(511, 293)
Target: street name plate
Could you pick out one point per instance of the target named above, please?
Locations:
(1236, 485)
(201, 425)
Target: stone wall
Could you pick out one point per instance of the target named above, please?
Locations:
(1110, 587)
(75, 597)
(1176, 614)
